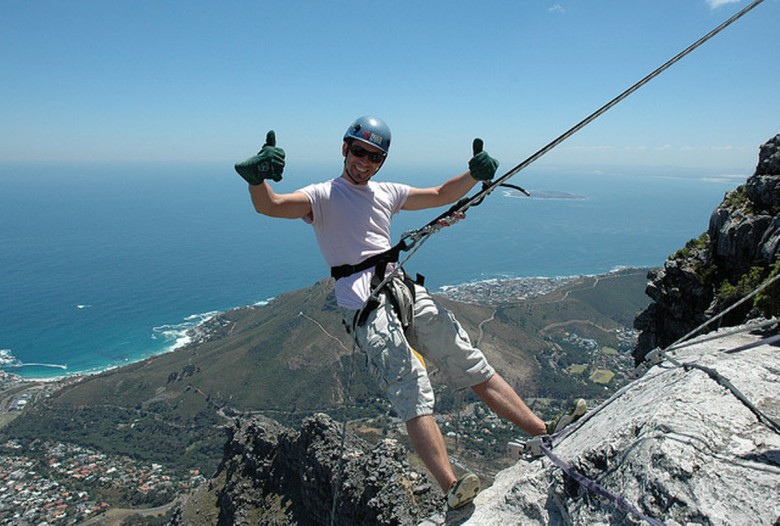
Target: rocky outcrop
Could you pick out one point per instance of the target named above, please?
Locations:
(676, 445)
(739, 251)
(274, 475)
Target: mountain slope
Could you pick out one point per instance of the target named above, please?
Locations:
(294, 354)
(293, 357)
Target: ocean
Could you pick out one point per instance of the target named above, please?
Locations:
(103, 265)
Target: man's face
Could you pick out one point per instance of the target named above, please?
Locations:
(361, 161)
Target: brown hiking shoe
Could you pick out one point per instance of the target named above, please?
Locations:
(463, 491)
(578, 409)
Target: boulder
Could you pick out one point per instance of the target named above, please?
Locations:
(676, 444)
(274, 475)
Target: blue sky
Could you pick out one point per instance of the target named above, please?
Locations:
(203, 81)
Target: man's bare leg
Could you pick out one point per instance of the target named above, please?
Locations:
(502, 399)
(429, 444)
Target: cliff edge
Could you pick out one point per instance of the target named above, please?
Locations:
(272, 475)
(676, 444)
(739, 252)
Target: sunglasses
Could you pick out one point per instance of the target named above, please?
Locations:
(374, 157)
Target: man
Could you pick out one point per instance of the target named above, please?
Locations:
(351, 216)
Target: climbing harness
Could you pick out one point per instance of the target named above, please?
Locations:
(399, 290)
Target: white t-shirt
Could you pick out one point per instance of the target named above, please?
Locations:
(352, 222)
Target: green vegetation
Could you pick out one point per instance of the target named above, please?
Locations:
(602, 376)
(617, 297)
(768, 300)
(141, 520)
(155, 435)
(738, 199)
(730, 293)
(693, 244)
(693, 255)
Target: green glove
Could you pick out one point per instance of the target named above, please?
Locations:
(482, 166)
(267, 164)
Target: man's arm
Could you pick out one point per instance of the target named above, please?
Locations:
(482, 167)
(269, 164)
(290, 206)
(436, 196)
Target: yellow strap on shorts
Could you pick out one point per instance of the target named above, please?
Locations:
(419, 356)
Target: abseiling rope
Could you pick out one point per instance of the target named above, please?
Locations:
(594, 487)
(417, 237)
(606, 107)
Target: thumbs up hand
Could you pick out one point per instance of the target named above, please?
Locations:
(267, 164)
(482, 166)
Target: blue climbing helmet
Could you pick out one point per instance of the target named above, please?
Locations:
(370, 130)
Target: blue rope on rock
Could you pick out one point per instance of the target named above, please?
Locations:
(597, 488)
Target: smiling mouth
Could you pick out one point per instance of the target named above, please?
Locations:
(362, 171)
(358, 174)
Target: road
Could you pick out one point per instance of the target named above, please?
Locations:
(115, 516)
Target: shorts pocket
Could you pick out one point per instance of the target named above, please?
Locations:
(389, 361)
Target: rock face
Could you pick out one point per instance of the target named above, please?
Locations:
(739, 251)
(274, 475)
(676, 444)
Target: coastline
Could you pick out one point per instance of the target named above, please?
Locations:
(495, 291)
(196, 327)
(176, 335)
(508, 290)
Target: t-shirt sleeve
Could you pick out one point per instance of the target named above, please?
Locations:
(400, 193)
(313, 192)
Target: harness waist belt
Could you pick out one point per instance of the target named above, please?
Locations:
(388, 256)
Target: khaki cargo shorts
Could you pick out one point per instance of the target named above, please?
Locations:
(436, 336)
